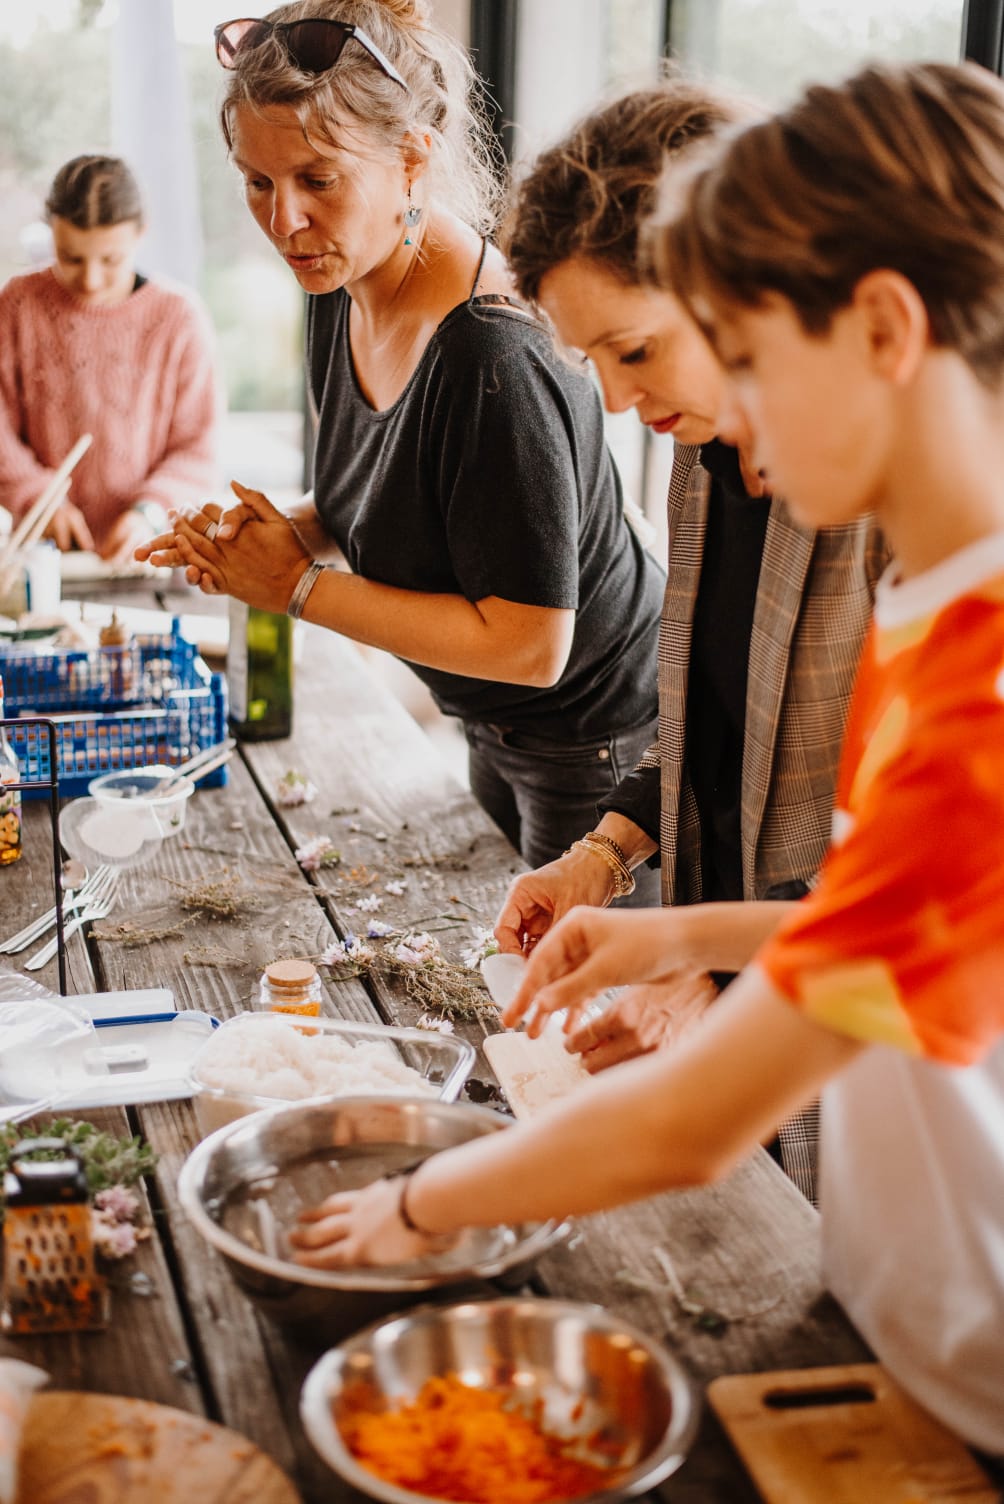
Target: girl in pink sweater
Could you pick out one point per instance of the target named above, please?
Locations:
(89, 346)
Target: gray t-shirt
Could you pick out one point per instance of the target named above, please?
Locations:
(489, 476)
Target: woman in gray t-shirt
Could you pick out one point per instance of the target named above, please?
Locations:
(460, 465)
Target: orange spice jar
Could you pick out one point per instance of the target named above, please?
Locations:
(291, 987)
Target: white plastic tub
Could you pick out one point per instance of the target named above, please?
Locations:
(441, 1061)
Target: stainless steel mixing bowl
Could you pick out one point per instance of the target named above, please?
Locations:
(243, 1186)
(596, 1377)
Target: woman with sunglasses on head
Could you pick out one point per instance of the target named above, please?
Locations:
(764, 617)
(460, 464)
(89, 345)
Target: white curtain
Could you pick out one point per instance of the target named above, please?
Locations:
(151, 129)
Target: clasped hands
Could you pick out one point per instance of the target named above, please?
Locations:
(252, 551)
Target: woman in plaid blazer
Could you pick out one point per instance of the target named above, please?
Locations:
(777, 633)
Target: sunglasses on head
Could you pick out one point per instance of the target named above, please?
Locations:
(313, 46)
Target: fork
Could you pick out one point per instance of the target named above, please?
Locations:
(99, 906)
(74, 900)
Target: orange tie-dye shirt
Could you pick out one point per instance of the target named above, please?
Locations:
(902, 941)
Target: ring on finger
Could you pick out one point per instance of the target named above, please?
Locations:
(212, 528)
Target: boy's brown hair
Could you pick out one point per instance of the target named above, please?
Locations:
(591, 193)
(900, 168)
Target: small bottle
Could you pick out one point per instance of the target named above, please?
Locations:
(260, 673)
(10, 799)
(291, 987)
(118, 652)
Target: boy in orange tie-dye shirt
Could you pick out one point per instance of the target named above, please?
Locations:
(847, 261)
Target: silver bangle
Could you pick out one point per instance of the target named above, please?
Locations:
(304, 586)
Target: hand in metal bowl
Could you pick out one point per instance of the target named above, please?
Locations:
(371, 1226)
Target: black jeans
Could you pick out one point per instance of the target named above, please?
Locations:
(543, 793)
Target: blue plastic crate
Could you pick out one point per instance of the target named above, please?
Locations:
(65, 679)
(182, 711)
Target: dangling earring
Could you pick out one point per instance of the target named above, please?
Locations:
(411, 217)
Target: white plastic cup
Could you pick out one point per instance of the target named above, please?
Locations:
(44, 578)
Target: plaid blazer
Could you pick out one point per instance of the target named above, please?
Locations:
(812, 607)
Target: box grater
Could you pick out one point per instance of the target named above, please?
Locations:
(49, 1280)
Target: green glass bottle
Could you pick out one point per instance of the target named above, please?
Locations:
(260, 673)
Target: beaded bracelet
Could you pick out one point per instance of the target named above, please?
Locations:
(304, 586)
(608, 851)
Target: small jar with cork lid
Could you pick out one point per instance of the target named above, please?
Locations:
(291, 987)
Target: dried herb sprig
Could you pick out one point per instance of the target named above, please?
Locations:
(432, 981)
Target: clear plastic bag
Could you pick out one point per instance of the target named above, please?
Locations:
(32, 1018)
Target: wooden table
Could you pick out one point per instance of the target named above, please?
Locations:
(182, 1332)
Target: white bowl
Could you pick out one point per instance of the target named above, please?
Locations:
(155, 812)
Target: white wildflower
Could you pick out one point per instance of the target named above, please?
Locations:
(371, 904)
(483, 944)
(318, 852)
(350, 949)
(377, 930)
(294, 788)
(417, 949)
(435, 1025)
(395, 888)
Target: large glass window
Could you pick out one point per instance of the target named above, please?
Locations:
(772, 47)
(90, 76)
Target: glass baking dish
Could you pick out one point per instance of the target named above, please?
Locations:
(443, 1061)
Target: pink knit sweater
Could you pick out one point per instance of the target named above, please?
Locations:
(139, 376)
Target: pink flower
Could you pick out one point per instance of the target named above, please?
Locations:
(114, 1240)
(318, 852)
(118, 1203)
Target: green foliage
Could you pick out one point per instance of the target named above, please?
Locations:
(107, 1159)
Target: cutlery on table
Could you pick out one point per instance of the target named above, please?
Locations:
(98, 906)
(76, 894)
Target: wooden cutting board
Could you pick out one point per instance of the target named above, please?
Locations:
(533, 1072)
(844, 1435)
(103, 1449)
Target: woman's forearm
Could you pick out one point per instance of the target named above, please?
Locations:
(723, 936)
(668, 1121)
(490, 639)
(632, 840)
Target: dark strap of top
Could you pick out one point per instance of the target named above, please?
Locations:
(481, 266)
(495, 299)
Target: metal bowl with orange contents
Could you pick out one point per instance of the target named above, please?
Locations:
(597, 1390)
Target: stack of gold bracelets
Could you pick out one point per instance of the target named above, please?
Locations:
(608, 851)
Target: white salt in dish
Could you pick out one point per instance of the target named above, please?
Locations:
(258, 1060)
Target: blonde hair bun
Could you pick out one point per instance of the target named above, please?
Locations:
(416, 15)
